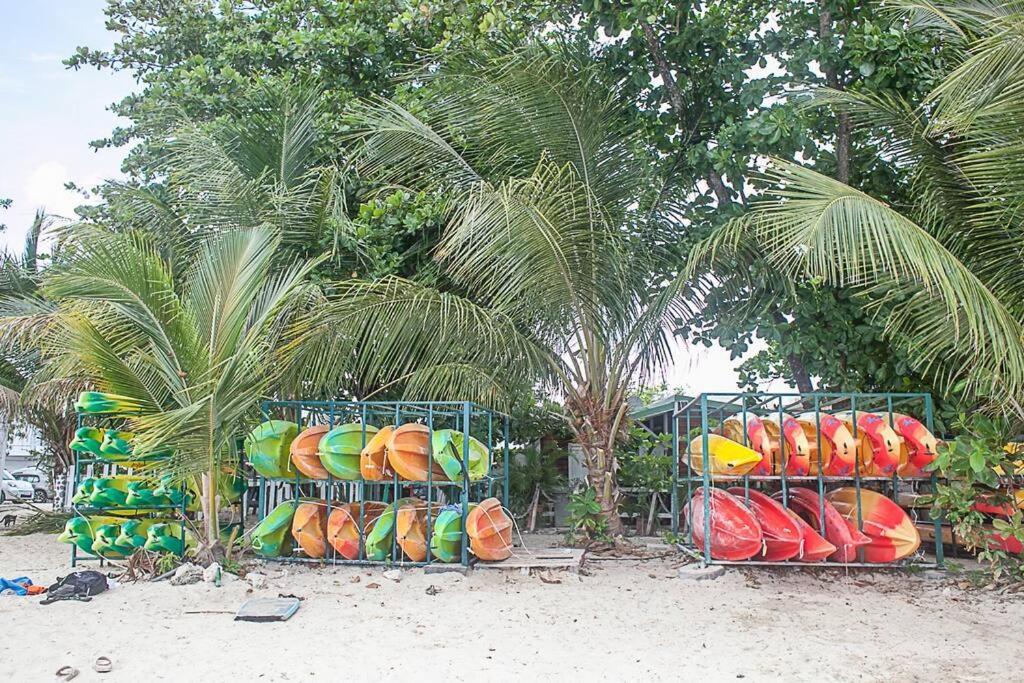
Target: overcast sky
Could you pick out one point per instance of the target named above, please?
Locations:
(48, 115)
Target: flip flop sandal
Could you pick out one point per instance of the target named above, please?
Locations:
(66, 673)
(102, 665)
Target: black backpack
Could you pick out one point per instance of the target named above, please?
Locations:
(76, 586)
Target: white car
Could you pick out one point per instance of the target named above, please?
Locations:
(41, 491)
(13, 489)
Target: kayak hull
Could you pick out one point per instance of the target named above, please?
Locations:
(735, 532)
(305, 455)
(409, 454)
(726, 458)
(490, 531)
(309, 528)
(757, 439)
(340, 449)
(343, 526)
(783, 539)
(268, 448)
(845, 537)
(373, 459)
(892, 533)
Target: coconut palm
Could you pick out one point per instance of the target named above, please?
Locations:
(946, 271)
(555, 267)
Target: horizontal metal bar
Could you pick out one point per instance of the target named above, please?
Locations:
(836, 565)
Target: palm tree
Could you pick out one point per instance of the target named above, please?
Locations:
(555, 267)
(947, 270)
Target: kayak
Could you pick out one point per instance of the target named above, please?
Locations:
(735, 531)
(757, 439)
(411, 528)
(105, 542)
(918, 446)
(782, 537)
(796, 451)
(271, 537)
(340, 447)
(446, 541)
(379, 538)
(87, 440)
(344, 523)
(101, 403)
(838, 530)
(112, 491)
(879, 444)
(268, 448)
(304, 452)
(1000, 503)
(490, 531)
(448, 447)
(813, 546)
(373, 459)
(81, 532)
(309, 528)
(839, 450)
(727, 457)
(892, 533)
(409, 454)
(169, 537)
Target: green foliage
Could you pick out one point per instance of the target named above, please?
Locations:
(977, 468)
(641, 465)
(586, 523)
(533, 469)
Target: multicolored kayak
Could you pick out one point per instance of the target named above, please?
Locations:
(879, 444)
(379, 538)
(409, 454)
(268, 448)
(918, 446)
(411, 528)
(1002, 503)
(449, 446)
(169, 537)
(101, 403)
(373, 459)
(782, 537)
(343, 526)
(490, 531)
(892, 533)
(837, 529)
(113, 491)
(735, 531)
(446, 541)
(340, 448)
(272, 537)
(82, 532)
(757, 439)
(838, 448)
(792, 443)
(726, 457)
(309, 528)
(304, 452)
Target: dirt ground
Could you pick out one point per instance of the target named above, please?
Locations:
(618, 621)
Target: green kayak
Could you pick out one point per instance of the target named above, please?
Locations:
(78, 531)
(272, 537)
(100, 403)
(446, 541)
(167, 537)
(109, 492)
(132, 534)
(87, 440)
(448, 446)
(83, 496)
(268, 448)
(339, 449)
(146, 494)
(105, 542)
(378, 541)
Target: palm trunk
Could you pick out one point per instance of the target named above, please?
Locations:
(601, 475)
(209, 494)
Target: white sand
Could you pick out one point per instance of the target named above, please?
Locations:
(626, 621)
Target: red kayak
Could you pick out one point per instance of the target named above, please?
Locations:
(782, 537)
(839, 532)
(735, 531)
(919, 446)
(814, 548)
(893, 534)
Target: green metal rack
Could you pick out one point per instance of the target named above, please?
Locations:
(470, 418)
(708, 410)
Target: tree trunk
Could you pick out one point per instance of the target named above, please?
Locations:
(601, 468)
(842, 150)
(797, 368)
(209, 504)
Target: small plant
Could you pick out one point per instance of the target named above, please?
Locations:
(166, 562)
(978, 470)
(586, 523)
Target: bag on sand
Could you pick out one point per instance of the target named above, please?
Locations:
(76, 586)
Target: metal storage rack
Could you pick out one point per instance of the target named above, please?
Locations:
(698, 413)
(471, 419)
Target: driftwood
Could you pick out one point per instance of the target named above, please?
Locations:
(532, 526)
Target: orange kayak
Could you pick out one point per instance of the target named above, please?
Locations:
(343, 526)
(735, 531)
(796, 451)
(411, 528)
(757, 439)
(879, 444)
(305, 455)
(490, 531)
(891, 532)
(838, 449)
(373, 460)
(918, 446)
(813, 546)
(309, 528)
(782, 537)
(838, 529)
(408, 453)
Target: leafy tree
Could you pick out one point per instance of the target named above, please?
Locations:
(942, 270)
(555, 230)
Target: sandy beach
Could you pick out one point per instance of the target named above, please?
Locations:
(618, 620)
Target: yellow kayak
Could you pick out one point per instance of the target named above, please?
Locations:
(727, 457)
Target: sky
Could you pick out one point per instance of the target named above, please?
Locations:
(49, 114)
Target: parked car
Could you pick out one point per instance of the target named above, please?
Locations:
(41, 488)
(11, 488)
